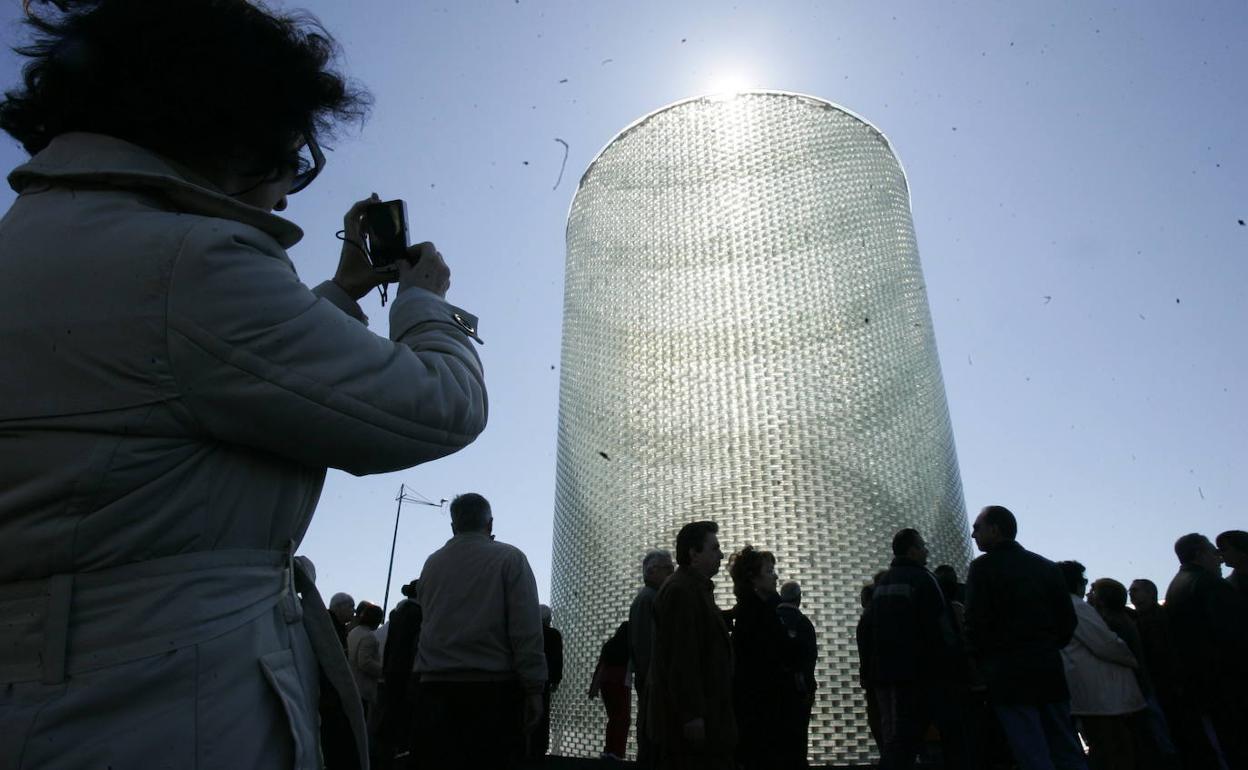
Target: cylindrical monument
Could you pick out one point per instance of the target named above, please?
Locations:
(746, 339)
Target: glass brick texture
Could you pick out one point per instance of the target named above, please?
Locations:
(746, 339)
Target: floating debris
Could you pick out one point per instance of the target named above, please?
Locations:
(562, 165)
(604, 455)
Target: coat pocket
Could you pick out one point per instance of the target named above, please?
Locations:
(282, 675)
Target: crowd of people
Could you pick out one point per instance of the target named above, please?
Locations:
(1026, 664)
(175, 411)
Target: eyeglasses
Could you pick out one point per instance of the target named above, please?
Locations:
(308, 163)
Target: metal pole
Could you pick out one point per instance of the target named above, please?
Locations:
(385, 603)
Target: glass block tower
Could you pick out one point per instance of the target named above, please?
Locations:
(746, 339)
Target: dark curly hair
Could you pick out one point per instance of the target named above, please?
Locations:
(199, 81)
(744, 566)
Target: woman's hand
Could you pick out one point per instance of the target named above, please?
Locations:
(424, 269)
(356, 275)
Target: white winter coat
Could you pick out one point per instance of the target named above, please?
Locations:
(1100, 669)
(364, 655)
(170, 397)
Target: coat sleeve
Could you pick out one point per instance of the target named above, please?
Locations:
(1092, 632)
(260, 360)
(524, 624)
(686, 632)
(976, 611)
(368, 656)
(554, 661)
(641, 634)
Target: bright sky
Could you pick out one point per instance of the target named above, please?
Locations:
(1079, 178)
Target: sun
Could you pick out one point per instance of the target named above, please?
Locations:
(726, 82)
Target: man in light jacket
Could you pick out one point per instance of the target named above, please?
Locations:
(1100, 672)
(481, 662)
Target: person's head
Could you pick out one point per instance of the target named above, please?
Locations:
(866, 595)
(1233, 544)
(228, 88)
(697, 547)
(656, 567)
(411, 589)
(1108, 595)
(342, 607)
(547, 615)
(370, 615)
(470, 512)
(1143, 594)
(994, 525)
(909, 544)
(753, 572)
(1073, 574)
(1195, 550)
(947, 579)
(791, 593)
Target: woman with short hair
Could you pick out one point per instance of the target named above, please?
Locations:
(173, 394)
(763, 684)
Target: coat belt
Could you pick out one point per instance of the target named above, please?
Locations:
(68, 624)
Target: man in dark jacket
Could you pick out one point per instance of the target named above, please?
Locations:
(805, 651)
(656, 568)
(690, 683)
(1209, 627)
(552, 646)
(1018, 619)
(1233, 545)
(394, 734)
(916, 658)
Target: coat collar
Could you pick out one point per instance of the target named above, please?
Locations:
(97, 160)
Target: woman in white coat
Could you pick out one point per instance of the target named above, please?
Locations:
(172, 394)
(364, 655)
(1100, 672)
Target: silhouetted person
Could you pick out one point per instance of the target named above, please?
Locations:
(552, 647)
(916, 660)
(690, 682)
(1018, 619)
(805, 649)
(1209, 626)
(337, 742)
(1153, 623)
(1155, 749)
(656, 568)
(480, 659)
(1100, 672)
(342, 614)
(397, 658)
(610, 680)
(864, 638)
(763, 687)
(1233, 545)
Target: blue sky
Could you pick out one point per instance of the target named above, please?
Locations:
(1078, 172)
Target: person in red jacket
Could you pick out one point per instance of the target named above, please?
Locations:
(611, 682)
